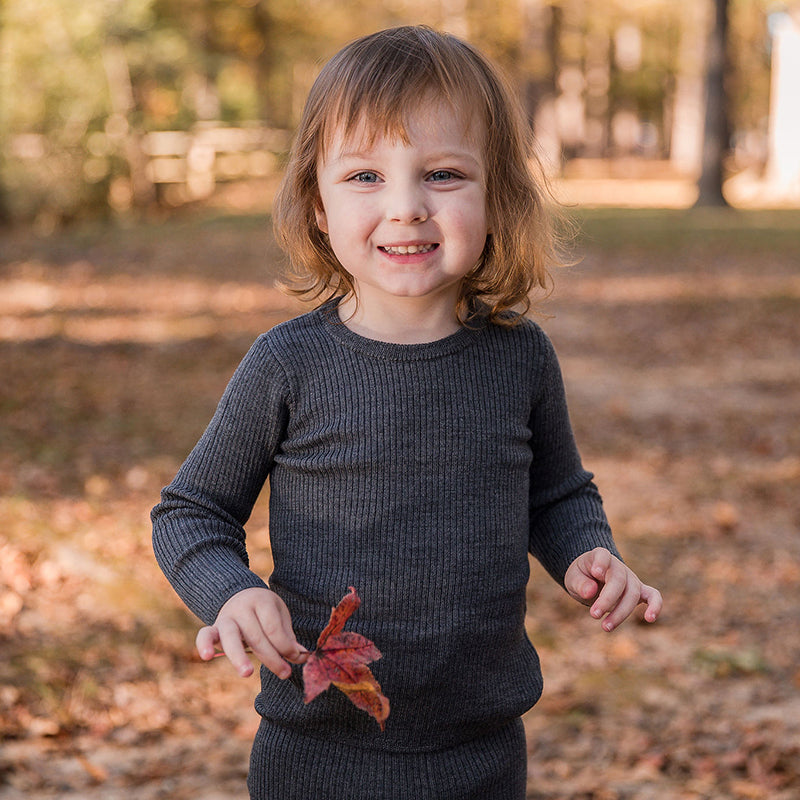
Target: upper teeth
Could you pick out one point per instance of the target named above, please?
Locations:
(410, 249)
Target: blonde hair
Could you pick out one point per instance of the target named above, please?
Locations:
(379, 79)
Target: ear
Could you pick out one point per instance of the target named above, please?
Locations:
(322, 217)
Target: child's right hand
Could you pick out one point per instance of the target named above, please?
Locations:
(256, 618)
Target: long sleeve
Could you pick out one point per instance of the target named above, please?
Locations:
(566, 512)
(198, 527)
(420, 474)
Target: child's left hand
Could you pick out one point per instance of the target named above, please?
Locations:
(600, 580)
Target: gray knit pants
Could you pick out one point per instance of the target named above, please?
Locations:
(285, 765)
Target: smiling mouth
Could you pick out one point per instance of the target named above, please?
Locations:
(408, 249)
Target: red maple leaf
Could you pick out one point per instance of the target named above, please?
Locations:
(341, 659)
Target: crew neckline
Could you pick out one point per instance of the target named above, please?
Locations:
(394, 351)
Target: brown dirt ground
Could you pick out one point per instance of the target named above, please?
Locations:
(681, 358)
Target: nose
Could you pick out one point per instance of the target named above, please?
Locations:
(407, 204)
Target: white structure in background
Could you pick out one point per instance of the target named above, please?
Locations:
(783, 165)
(688, 110)
(779, 183)
(189, 164)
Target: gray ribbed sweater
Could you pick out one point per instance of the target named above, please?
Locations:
(420, 474)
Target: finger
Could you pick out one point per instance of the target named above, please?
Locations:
(261, 636)
(578, 581)
(654, 602)
(630, 598)
(230, 639)
(271, 659)
(616, 582)
(280, 634)
(600, 562)
(205, 641)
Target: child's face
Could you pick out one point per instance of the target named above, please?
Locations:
(407, 220)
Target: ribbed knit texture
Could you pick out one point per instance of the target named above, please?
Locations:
(285, 765)
(420, 474)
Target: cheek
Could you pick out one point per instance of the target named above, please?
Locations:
(348, 219)
(475, 213)
(473, 227)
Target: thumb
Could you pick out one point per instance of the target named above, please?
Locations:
(206, 639)
(587, 589)
(579, 580)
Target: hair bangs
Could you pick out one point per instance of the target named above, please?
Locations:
(383, 82)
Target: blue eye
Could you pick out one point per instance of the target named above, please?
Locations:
(365, 177)
(440, 175)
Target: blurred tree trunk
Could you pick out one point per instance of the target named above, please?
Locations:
(263, 24)
(540, 55)
(716, 130)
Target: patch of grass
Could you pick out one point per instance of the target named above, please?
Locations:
(667, 230)
(218, 245)
(729, 662)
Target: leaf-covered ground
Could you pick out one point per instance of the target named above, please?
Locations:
(678, 335)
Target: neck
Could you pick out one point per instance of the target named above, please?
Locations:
(404, 320)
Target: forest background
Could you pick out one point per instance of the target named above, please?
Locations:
(113, 106)
(140, 143)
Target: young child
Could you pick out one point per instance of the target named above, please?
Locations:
(414, 432)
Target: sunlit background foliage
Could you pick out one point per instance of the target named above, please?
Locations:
(82, 82)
